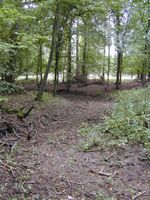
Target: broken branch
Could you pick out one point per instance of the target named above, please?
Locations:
(138, 195)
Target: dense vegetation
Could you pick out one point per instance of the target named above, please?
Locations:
(128, 123)
(73, 39)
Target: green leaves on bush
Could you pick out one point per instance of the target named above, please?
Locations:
(9, 88)
(131, 116)
(128, 123)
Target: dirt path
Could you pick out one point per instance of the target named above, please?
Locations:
(52, 166)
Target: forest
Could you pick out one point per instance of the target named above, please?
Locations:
(74, 99)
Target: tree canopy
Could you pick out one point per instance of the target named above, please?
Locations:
(74, 38)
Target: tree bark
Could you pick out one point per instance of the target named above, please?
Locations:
(54, 31)
(77, 53)
(69, 70)
(39, 67)
(56, 70)
(119, 52)
(103, 69)
(108, 70)
(84, 70)
(119, 64)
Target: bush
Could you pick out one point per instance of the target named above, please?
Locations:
(9, 88)
(131, 116)
(128, 123)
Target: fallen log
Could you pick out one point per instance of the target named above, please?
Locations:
(21, 113)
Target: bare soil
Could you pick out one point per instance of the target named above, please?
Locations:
(44, 160)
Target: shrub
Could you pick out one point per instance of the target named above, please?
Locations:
(9, 88)
(128, 123)
(131, 116)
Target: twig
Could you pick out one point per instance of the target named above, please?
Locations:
(14, 146)
(68, 182)
(104, 173)
(129, 185)
(86, 161)
(8, 166)
(45, 123)
(2, 144)
(91, 150)
(81, 107)
(109, 156)
(101, 172)
(138, 195)
(15, 133)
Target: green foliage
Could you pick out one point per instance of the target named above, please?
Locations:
(129, 122)
(2, 99)
(131, 116)
(9, 88)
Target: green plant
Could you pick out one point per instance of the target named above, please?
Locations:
(9, 88)
(101, 196)
(131, 117)
(128, 123)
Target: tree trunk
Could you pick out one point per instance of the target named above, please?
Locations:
(84, 70)
(69, 74)
(40, 63)
(119, 52)
(56, 70)
(103, 69)
(27, 76)
(120, 77)
(39, 69)
(43, 83)
(119, 64)
(108, 70)
(77, 54)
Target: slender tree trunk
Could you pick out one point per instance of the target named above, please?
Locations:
(27, 76)
(64, 67)
(2, 77)
(120, 77)
(108, 70)
(40, 59)
(84, 69)
(119, 52)
(103, 69)
(39, 68)
(57, 53)
(43, 83)
(69, 70)
(37, 76)
(77, 54)
(119, 63)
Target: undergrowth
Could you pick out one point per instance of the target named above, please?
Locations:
(128, 123)
(9, 88)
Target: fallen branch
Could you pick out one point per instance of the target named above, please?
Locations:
(109, 156)
(138, 195)
(9, 167)
(81, 107)
(104, 173)
(15, 133)
(86, 161)
(91, 150)
(14, 146)
(101, 172)
(129, 185)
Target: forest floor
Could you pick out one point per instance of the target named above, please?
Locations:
(53, 166)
